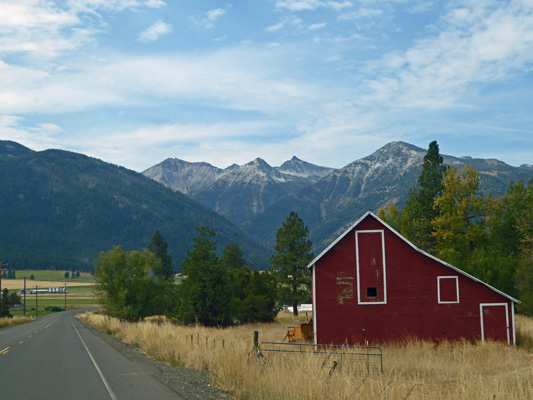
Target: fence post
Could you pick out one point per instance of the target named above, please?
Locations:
(256, 340)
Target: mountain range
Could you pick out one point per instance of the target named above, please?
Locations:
(257, 197)
(60, 209)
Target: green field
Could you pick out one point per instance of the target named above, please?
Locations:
(57, 276)
(77, 296)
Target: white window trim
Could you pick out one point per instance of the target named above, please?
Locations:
(456, 289)
(481, 305)
(384, 268)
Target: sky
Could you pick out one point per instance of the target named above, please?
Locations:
(133, 82)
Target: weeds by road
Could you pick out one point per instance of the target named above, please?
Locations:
(413, 370)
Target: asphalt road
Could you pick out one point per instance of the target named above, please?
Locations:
(57, 357)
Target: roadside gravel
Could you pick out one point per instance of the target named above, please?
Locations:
(191, 384)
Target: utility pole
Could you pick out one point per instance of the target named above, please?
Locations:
(1, 270)
(24, 312)
(36, 301)
(65, 296)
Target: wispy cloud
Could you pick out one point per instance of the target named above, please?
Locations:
(155, 3)
(154, 32)
(212, 16)
(287, 21)
(475, 45)
(301, 5)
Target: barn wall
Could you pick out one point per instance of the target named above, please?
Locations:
(412, 306)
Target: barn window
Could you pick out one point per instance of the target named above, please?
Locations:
(371, 267)
(447, 289)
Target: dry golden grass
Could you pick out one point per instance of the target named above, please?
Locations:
(413, 370)
(5, 322)
(30, 285)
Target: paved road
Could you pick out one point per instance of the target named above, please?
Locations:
(57, 357)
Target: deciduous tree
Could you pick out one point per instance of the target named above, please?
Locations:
(460, 227)
(129, 284)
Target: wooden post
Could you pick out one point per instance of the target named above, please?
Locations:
(256, 340)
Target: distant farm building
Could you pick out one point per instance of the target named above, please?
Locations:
(372, 285)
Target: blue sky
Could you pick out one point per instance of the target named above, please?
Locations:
(134, 82)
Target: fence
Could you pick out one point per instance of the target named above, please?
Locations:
(370, 352)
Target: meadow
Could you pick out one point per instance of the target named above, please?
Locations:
(80, 291)
(412, 370)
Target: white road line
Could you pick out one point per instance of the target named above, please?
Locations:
(109, 390)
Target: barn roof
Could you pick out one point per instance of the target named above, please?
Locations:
(312, 263)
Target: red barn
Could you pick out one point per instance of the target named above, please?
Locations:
(372, 285)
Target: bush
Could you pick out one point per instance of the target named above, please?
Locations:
(53, 308)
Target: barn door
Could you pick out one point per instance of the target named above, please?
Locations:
(495, 322)
(371, 271)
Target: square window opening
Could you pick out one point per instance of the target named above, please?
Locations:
(372, 292)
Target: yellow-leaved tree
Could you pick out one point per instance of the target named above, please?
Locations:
(460, 229)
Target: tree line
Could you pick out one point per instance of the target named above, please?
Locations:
(490, 238)
(212, 291)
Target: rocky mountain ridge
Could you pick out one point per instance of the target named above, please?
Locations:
(238, 192)
(258, 200)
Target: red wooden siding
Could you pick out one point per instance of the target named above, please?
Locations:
(409, 281)
(494, 321)
(370, 267)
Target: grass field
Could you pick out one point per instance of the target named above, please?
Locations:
(57, 276)
(80, 291)
(412, 370)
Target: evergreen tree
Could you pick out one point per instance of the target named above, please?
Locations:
(293, 253)
(232, 257)
(204, 295)
(159, 248)
(253, 294)
(420, 209)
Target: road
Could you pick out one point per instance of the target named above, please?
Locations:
(57, 357)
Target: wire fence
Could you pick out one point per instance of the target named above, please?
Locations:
(371, 353)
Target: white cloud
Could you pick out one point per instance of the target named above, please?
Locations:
(154, 32)
(46, 30)
(315, 27)
(212, 16)
(476, 45)
(361, 13)
(311, 5)
(287, 21)
(155, 3)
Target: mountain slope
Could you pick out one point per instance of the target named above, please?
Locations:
(332, 204)
(60, 209)
(237, 192)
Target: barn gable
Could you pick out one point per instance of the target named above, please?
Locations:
(372, 284)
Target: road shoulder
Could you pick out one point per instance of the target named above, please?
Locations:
(191, 384)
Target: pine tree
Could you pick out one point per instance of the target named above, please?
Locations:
(293, 253)
(159, 248)
(204, 295)
(420, 209)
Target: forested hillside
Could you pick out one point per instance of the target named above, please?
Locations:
(60, 209)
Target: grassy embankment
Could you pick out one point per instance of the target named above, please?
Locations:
(414, 370)
(80, 291)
